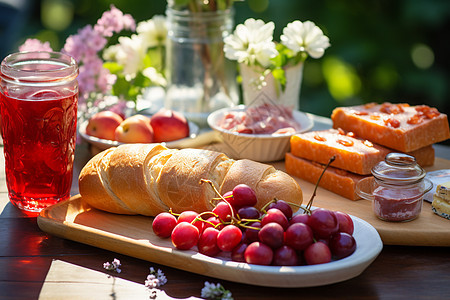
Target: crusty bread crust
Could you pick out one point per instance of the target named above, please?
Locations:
(267, 182)
(147, 179)
(179, 185)
(91, 182)
(128, 177)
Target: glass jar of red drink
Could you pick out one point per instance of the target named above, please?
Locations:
(396, 189)
(38, 102)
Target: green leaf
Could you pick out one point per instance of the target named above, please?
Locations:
(141, 81)
(113, 67)
(121, 87)
(154, 59)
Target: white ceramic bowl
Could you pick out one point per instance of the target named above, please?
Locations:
(258, 147)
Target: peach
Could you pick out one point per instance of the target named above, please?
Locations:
(103, 125)
(169, 125)
(135, 129)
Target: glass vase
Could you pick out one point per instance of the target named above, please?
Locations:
(199, 77)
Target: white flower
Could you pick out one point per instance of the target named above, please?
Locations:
(251, 43)
(130, 54)
(113, 266)
(110, 53)
(154, 76)
(153, 31)
(215, 292)
(155, 279)
(306, 36)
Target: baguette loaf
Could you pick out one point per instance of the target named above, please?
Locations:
(147, 179)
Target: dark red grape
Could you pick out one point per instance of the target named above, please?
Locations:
(250, 234)
(207, 243)
(285, 256)
(258, 253)
(345, 222)
(283, 206)
(317, 253)
(323, 222)
(237, 254)
(223, 210)
(243, 195)
(298, 236)
(277, 216)
(271, 234)
(189, 216)
(249, 212)
(163, 224)
(229, 237)
(342, 245)
(300, 218)
(212, 222)
(185, 236)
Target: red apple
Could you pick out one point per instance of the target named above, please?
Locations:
(169, 125)
(103, 124)
(135, 129)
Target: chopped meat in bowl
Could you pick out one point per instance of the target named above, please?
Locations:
(263, 119)
(261, 133)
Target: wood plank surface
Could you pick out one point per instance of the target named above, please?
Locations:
(38, 265)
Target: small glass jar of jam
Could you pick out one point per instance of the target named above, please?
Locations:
(396, 189)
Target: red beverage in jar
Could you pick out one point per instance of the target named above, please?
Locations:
(39, 133)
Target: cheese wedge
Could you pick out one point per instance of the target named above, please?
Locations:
(443, 191)
(441, 200)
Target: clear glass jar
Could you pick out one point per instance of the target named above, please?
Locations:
(200, 79)
(38, 101)
(396, 189)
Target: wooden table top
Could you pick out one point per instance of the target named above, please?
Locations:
(36, 265)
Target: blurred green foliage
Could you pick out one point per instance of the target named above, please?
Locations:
(381, 50)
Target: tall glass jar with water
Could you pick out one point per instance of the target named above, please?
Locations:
(200, 78)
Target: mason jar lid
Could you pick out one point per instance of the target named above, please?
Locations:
(398, 169)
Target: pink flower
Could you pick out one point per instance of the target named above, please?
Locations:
(114, 21)
(85, 44)
(35, 45)
(93, 77)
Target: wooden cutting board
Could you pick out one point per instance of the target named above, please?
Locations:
(133, 236)
(428, 229)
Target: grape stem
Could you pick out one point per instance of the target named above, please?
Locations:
(263, 209)
(173, 213)
(221, 197)
(200, 218)
(308, 206)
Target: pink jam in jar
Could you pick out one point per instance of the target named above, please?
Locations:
(397, 204)
(399, 188)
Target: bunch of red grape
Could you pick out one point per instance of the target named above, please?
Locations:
(270, 236)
